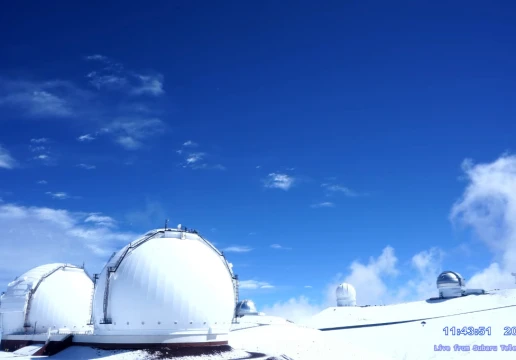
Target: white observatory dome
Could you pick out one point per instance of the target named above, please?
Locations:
(170, 286)
(450, 284)
(48, 296)
(246, 307)
(346, 295)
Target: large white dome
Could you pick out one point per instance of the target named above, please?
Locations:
(170, 283)
(346, 295)
(48, 296)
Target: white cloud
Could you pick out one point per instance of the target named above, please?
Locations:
(279, 181)
(97, 57)
(113, 76)
(39, 141)
(204, 166)
(86, 138)
(42, 182)
(325, 204)
(308, 286)
(368, 279)
(86, 166)
(37, 148)
(195, 157)
(149, 84)
(254, 285)
(131, 132)
(332, 188)
(488, 206)
(58, 195)
(295, 309)
(100, 219)
(40, 235)
(280, 247)
(107, 81)
(6, 160)
(238, 249)
(45, 159)
(128, 142)
(190, 143)
(55, 99)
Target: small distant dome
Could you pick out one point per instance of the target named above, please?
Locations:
(246, 307)
(346, 295)
(450, 284)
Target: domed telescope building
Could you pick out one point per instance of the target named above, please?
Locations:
(48, 297)
(171, 286)
(451, 285)
(346, 295)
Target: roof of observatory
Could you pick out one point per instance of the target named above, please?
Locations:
(19, 287)
(34, 275)
(173, 233)
(450, 277)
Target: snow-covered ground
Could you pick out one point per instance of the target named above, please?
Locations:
(412, 340)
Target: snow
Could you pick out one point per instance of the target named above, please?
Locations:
(415, 340)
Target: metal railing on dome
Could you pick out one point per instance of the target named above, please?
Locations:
(112, 269)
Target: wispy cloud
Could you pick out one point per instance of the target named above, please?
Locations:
(254, 285)
(134, 122)
(279, 181)
(86, 138)
(66, 236)
(114, 76)
(333, 188)
(58, 195)
(325, 204)
(41, 157)
(190, 143)
(488, 207)
(37, 148)
(196, 160)
(86, 166)
(56, 99)
(6, 160)
(308, 286)
(97, 57)
(39, 141)
(99, 219)
(131, 133)
(238, 249)
(280, 247)
(42, 182)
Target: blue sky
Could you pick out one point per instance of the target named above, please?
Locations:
(333, 130)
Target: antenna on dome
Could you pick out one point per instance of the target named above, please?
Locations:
(166, 224)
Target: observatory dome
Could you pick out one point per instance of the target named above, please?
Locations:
(171, 285)
(450, 284)
(48, 296)
(246, 307)
(346, 295)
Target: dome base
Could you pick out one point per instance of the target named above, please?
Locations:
(111, 342)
